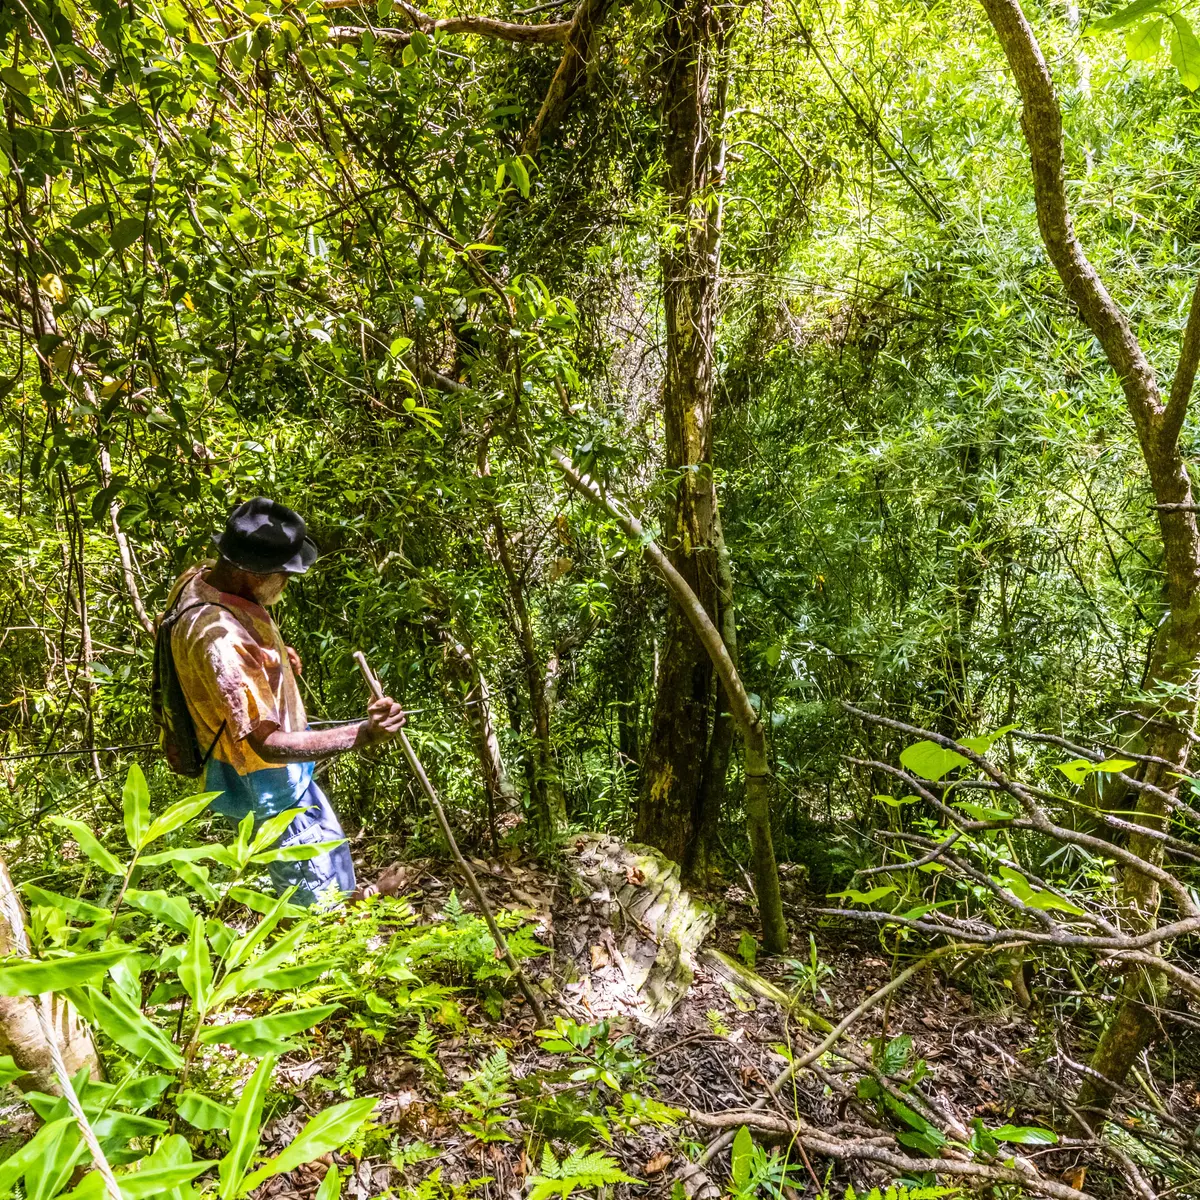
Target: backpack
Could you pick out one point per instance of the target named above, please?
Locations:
(180, 745)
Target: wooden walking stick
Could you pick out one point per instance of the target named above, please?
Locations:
(465, 867)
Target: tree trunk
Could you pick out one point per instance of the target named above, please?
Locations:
(549, 805)
(462, 668)
(673, 764)
(1168, 710)
(711, 801)
(21, 1033)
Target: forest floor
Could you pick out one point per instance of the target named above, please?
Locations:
(716, 1051)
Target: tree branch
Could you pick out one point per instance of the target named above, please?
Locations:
(1185, 374)
(489, 27)
(1041, 121)
(571, 69)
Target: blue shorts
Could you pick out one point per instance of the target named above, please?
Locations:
(313, 877)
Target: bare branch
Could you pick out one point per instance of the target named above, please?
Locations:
(489, 27)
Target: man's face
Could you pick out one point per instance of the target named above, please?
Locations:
(269, 588)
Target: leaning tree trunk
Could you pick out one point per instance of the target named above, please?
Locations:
(747, 720)
(21, 1032)
(673, 763)
(1169, 712)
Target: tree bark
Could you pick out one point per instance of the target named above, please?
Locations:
(462, 668)
(21, 1033)
(1168, 710)
(549, 804)
(713, 787)
(749, 725)
(673, 763)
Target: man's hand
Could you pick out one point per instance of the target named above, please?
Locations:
(294, 659)
(385, 719)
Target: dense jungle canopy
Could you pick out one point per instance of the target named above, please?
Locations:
(747, 437)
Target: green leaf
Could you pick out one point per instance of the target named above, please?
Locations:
(43, 1143)
(1125, 16)
(124, 234)
(1185, 52)
(327, 1131)
(76, 909)
(203, 1112)
(931, 761)
(1025, 1135)
(174, 20)
(743, 1158)
(1143, 43)
(520, 176)
(895, 1054)
(331, 1185)
(981, 812)
(90, 846)
(9, 1071)
(196, 972)
(221, 855)
(153, 1181)
(129, 1028)
(57, 974)
(135, 795)
(1115, 765)
(273, 828)
(179, 814)
(261, 1035)
(162, 906)
(243, 1130)
(298, 853)
(1077, 770)
(864, 897)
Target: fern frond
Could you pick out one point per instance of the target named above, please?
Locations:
(582, 1168)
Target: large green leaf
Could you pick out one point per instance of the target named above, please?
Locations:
(203, 1112)
(931, 761)
(76, 909)
(1025, 1135)
(135, 795)
(178, 815)
(1185, 52)
(162, 906)
(262, 1035)
(48, 1174)
(273, 828)
(90, 846)
(1125, 16)
(1143, 43)
(155, 1180)
(196, 972)
(326, 1131)
(298, 853)
(244, 1129)
(35, 976)
(129, 1028)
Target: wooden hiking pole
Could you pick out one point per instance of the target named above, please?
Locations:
(465, 867)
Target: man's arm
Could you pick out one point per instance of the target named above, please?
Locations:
(385, 718)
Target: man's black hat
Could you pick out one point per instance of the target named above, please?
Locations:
(265, 538)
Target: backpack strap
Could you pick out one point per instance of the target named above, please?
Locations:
(169, 620)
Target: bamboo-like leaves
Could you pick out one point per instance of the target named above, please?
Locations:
(130, 1029)
(196, 971)
(262, 1035)
(56, 974)
(326, 1131)
(243, 1131)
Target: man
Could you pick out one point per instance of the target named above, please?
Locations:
(239, 679)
